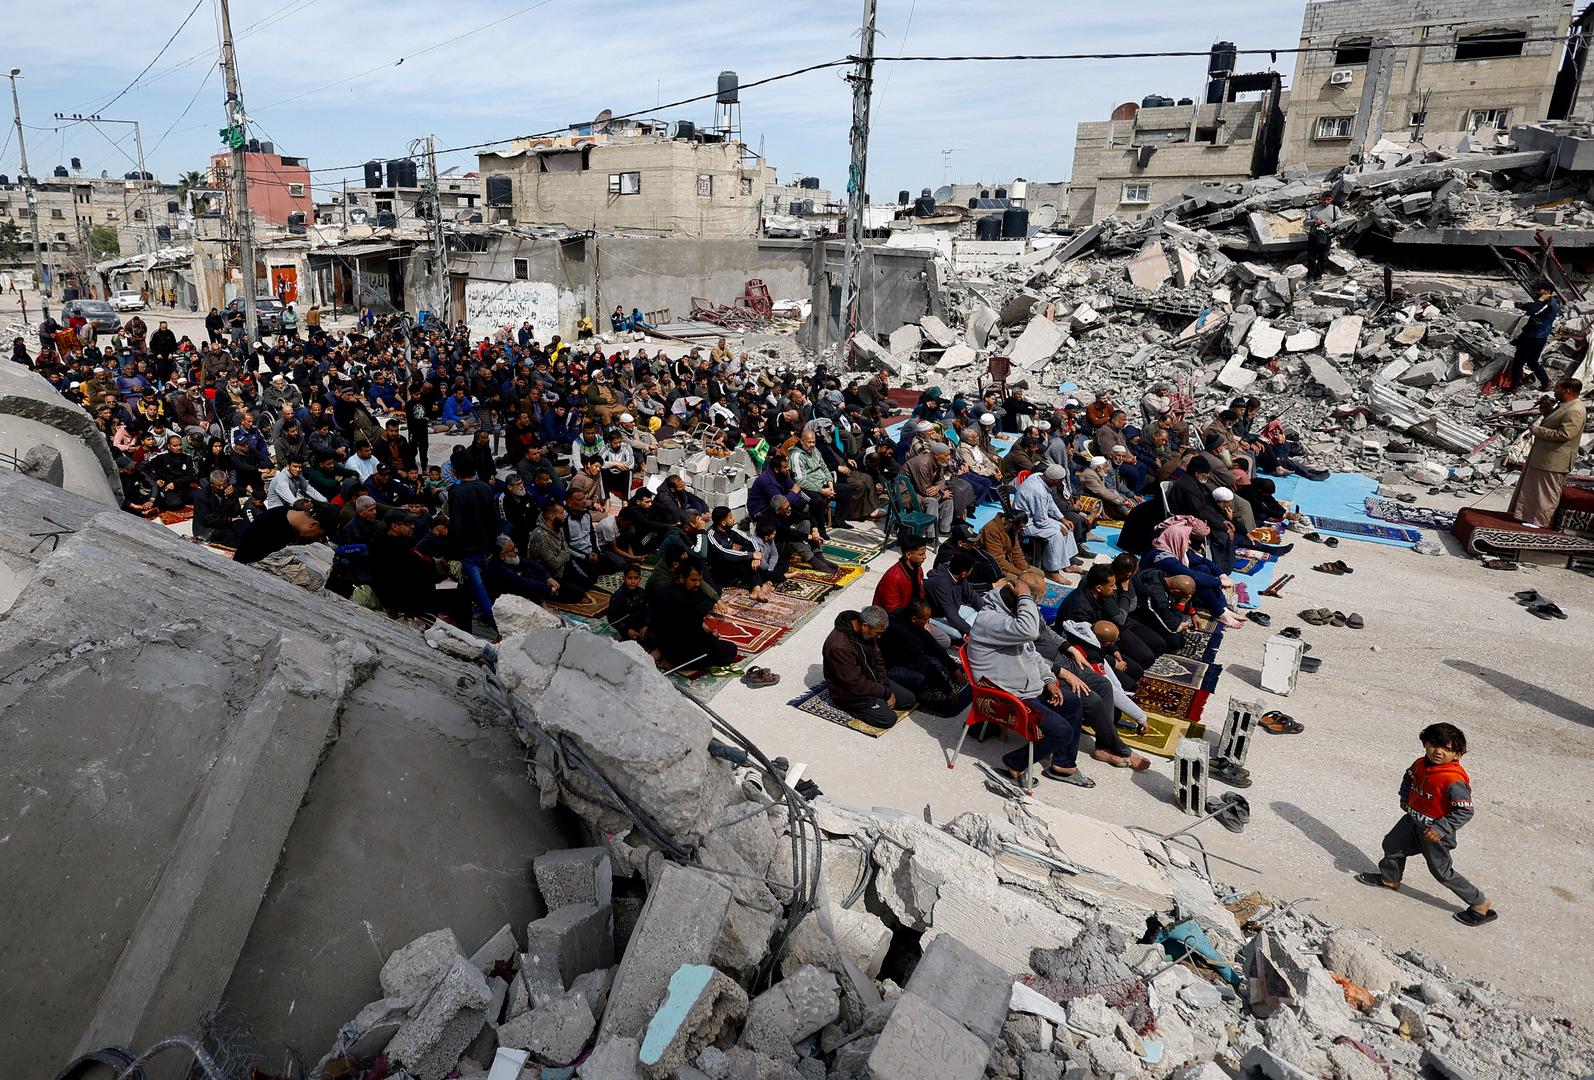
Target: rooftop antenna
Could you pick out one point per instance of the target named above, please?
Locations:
(946, 163)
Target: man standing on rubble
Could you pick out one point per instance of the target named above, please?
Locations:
(1555, 445)
(1320, 235)
(1542, 312)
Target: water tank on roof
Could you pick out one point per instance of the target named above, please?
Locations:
(1019, 189)
(809, 182)
(500, 191)
(1015, 223)
(60, 170)
(253, 146)
(77, 164)
(728, 86)
(988, 228)
(1001, 193)
(1155, 101)
(924, 206)
(268, 148)
(373, 174)
(685, 130)
(985, 193)
(5, 181)
(973, 202)
(401, 173)
(1224, 55)
(904, 198)
(1186, 101)
(796, 207)
(808, 206)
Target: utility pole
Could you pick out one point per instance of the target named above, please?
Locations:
(857, 176)
(30, 191)
(437, 278)
(236, 134)
(345, 201)
(147, 239)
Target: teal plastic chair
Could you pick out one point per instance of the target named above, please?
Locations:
(907, 512)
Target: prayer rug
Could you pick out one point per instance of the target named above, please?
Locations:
(177, 517)
(1247, 564)
(1347, 527)
(836, 551)
(780, 610)
(592, 605)
(862, 539)
(1266, 535)
(700, 684)
(610, 583)
(597, 625)
(1422, 517)
(841, 577)
(750, 636)
(1182, 671)
(1165, 698)
(1053, 599)
(1088, 505)
(816, 702)
(1200, 645)
(803, 589)
(1164, 734)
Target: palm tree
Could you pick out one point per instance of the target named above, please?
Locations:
(190, 188)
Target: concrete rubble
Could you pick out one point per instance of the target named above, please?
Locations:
(1209, 294)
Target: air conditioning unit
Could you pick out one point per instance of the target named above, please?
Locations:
(1342, 77)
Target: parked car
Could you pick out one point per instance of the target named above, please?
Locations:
(268, 314)
(103, 317)
(127, 300)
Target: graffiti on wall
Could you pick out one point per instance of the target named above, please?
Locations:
(492, 305)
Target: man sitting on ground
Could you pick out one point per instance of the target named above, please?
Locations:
(855, 669)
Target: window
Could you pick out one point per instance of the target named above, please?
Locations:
(1136, 193)
(1418, 119)
(1490, 44)
(1334, 127)
(138, 215)
(522, 269)
(1482, 118)
(705, 185)
(1354, 51)
(625, 183)
(296, 190)
(61, 236)
(747, 185)
(57, 213)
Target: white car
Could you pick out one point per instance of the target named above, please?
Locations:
(127, 300)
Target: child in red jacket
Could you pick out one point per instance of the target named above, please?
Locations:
(1436, 800)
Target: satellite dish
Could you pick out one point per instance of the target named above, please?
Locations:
(603, 118)
(463, 217)
(1044, 216)
(359, 215)
(943, 194)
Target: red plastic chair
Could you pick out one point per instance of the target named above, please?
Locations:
(992, 705)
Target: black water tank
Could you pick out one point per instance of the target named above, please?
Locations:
(685, 130)
(163, 232)
(985, 193)
(988, 228)
(385, 219)
(1215, 88)
(253, 146)
(1186, 101)
(924, 206)
(77, 163)
(1001, 193)
(5, 181)
(796, 207)
(1155, 101)
(373, 174)
(60, 170)
(973, 202)
(904, 198)
(1015, 223)
(809, 182)
(401, 173)
(500, 191)
(1224, 55)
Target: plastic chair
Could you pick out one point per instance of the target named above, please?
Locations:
(1166, 488)
(992, 705)
(907, 513)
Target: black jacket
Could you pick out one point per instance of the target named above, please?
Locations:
(855, 669)
(472, 518)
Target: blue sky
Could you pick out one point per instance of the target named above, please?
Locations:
(564, 60)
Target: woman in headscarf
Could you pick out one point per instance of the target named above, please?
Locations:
(1171, 553)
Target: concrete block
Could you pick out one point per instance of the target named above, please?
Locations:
(1017, 309)
(1264, 340)
(680, 924)
(574, 876)
(863, 937)
(536, 983)
(1190, 763)
(611, 1059)
(961, 983)
(979, 324)
(1302, 341)
(429, 1045)
(517, 615)
(1505, 320)
(873, 352)
(501, 947)
(790, 1011)
(1361, 962)
(416, 966)
(905, 341)
(1037, 344)
(958, 355)
(937, 331)
(1084, 316)
(1235, 375)
(1024, 998)
(1427, 373)
(578, 937)
(1149, 269)
(1186, 265)
(594, 986)
(555, 1034)
(1393, 370)
(700, 1001)
(1263, 1062)
(1281, 663)
(1326, 375)
(921, 1041)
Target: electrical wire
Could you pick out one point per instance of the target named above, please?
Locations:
(180, 28)
(214, 64)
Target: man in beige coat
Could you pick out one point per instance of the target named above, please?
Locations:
(1555, 446)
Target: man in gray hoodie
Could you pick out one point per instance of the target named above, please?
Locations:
(1001, 648)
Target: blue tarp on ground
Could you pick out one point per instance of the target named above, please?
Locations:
(1342, 495)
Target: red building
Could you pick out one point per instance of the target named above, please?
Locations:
(278, 185)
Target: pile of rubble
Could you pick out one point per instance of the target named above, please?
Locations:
(720, 926)
(1209, 294)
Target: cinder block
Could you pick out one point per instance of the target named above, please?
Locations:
(1190, 776)
(1235, 742)
(574, 876)
(578, 938)
(963, 984)
(1281, 663)
(430, 1044)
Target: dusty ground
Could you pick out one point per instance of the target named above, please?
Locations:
(1444, 641)
(180, 320)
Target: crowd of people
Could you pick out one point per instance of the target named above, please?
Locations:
(326, 436)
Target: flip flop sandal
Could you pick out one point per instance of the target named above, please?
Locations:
(757, 677)
(1314, 537)
(1276, 723)
(1355, 621)
(1338, 619)
(1232, 775)
(1468, 917)
(1261, 618)
(1290, 632)
(1329, 568)
(1310, 664)
(1546, 610)
(1076, 778)
(1376, 880)
(1231, 811)
(1315, 616)
(1331, 541)
(1527, 597)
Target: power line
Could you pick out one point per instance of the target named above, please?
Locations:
(181, 27)
(202, 84)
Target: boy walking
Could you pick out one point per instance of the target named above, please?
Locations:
(1436, 797)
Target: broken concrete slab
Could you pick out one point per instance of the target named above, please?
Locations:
(429, 1045)
(921, 1041)
(979, 324)
(1344, 335)
(1410, 334)
(1302, 341)
(1361, 962)
(868, 349)
(574, 876)
(1264, 340)
(500, 948)
(956, 356)
(1149, 268)
(1186, 265)
(680, 924)
(412, 969)
(1036, 345)
(1505, 320)
(555, 1033)
(699, 1003)
(905, 341)
(937, 332)
(577, 938)
(1326, 375)
(790, 1011)
(1235, 375)
(1018, 308)
(963, 984)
